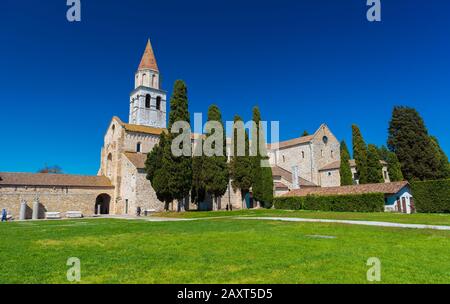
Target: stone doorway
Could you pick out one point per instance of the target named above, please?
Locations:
(102, 204)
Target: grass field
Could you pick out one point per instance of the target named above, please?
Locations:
(418, 218)
(219, 251)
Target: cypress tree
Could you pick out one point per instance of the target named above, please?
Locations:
(360, 154)
(262, 178)
(155, 168)
(215, 168)
(178, 168)
(394, 168)
(198, 191)
(345, 170)
(409, 139)
(241, 172)
(383, 153)
(305, 133)
(374, 168)
(444, 166)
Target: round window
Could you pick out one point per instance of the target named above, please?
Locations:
(325, 140)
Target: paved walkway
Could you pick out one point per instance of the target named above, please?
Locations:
(288, 219)
(364, 223)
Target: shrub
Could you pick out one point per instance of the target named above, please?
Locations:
(432, 196)
(289, 203)
(370, 202)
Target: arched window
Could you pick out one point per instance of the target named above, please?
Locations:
(332, 154)
(113, 129)
(303, 154)
(147, 101)
(138, 147)
(158, 103)
(154, 80)
(144, 79)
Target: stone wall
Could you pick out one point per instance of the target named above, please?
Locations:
(52, 199)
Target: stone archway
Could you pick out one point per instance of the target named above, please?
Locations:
(102, 203)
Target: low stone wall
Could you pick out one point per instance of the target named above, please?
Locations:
(52, 199)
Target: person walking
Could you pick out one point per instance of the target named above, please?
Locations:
(4, 215)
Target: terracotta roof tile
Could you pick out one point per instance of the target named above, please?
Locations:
(148, 60)
(53, 180)
(142, 129)
(386, 188)
(292, 142)
(281, 186)
(137, 159)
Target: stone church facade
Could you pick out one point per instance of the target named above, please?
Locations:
(121, 186)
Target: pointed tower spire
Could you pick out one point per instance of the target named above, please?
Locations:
(148, 60)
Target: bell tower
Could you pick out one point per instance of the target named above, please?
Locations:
(147, 100)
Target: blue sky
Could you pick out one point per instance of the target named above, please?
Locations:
(302, 62)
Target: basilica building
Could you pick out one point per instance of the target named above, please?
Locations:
(121, 186)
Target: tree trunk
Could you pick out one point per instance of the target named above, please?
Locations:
(181, 207)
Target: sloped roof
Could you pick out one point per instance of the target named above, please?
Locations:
(53, 180)
(148, 60)
(292, 142)
(386, 188)
(280, 186)
(142, 129)
(137, 159)
(278, 171)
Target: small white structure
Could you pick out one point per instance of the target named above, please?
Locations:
(53, 215)
(74, 214)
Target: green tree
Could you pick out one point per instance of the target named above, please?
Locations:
(155, 166)
(444, 166)
(241, 166)
(345, 170)
(305, 133)
(198, 192)
(215, 167)
(374, 168)
(383, 153)
(360, 154)
(262, 178)
(409, 139)
(394, 167)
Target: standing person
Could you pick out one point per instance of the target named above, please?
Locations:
(138, 211)
(4, 215)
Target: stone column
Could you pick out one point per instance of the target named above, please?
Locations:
(23, 210)
(35, 210)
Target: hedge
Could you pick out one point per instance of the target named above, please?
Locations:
(432, 196)
(368, 202)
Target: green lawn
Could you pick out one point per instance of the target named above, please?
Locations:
(219, 251)
(418, 218)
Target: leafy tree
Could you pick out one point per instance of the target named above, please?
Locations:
(241, 172)
(409, 139)
(345, 170)
(155, 168)
(179, 167)
(394, 168)
(374, 168)
(215, 168)
(360, 154)
(383, 153)
(262, 178)
(444, 166)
